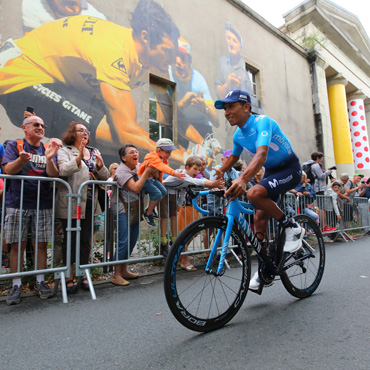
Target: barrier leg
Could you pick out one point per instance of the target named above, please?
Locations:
(91, 286)
(236, 256)
(64, 287)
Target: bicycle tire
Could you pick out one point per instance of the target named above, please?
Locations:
(201, 301)
(302, 278)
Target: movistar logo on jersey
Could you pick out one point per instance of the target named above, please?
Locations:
(283, 142)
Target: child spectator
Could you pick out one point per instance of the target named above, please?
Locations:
(331, 207)
(154, 187)
(306, 195)
(214, 202)
(186, 213)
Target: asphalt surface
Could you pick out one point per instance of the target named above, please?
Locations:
(132, 327)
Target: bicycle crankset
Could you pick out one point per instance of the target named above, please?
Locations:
(265, 277)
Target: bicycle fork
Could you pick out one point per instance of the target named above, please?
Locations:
(220, 269)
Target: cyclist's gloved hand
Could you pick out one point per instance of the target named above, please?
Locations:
(237, 189)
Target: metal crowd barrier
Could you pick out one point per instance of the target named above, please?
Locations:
(27, 263)
(148, 246)
(355, 214)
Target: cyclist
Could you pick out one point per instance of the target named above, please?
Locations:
(262, 137)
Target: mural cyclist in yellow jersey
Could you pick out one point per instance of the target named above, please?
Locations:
(86, 67)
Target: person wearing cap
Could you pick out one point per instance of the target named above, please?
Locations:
(29, 157)
(262, 137)
(231, 72)
(154, 186)
(231, 67)
(196, 115)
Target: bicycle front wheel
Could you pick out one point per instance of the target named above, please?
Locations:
(202, 301)
(303, 270)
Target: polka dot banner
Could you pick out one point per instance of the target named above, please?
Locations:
(359, 136)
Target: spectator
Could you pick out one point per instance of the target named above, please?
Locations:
(30, 158)
(112, 170)
(239, 167)
(345, 188)
(319, 186)
(354, 185)
(187, 213)
(79, 162)
(154, 187)
(364, 192)
(168, 209)
(129, 185)
(203, 171)
(257, 178)
(331, 206)
(214, 202)
(306, 196)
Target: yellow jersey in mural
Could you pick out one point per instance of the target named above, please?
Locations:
(79, 51)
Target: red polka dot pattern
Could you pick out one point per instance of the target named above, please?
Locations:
(359, 135)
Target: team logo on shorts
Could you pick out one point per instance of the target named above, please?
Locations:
(118, 64)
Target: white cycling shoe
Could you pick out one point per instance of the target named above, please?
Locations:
(255, 282)
(293, 238)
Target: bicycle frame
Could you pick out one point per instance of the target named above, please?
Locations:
(235, 212)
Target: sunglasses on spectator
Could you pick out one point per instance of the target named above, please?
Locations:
(83, 131)
(36, 124)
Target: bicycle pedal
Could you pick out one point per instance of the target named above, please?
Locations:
(259, 290)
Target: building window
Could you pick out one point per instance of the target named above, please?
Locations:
(161, 97)
(253, 77)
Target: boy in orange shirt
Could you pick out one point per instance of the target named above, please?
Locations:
(154, 187)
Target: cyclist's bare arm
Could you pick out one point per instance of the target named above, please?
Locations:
(239, 185)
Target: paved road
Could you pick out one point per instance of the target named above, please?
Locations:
(122, 328)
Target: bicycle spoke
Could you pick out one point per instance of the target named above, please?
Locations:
(200, 300)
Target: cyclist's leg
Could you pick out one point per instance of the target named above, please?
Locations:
(275, 182)
(260, 221)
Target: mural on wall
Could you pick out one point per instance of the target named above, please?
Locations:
(232, 73)
(72, 64)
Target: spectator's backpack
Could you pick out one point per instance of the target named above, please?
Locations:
(307, 167)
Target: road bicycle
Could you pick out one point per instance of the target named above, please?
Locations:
(207, 299)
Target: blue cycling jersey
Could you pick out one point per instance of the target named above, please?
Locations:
(262, 130)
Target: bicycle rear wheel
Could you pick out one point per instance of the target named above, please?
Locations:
(303, 270)
(202, 301)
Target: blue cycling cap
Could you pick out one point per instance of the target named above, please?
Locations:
(232, 97)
